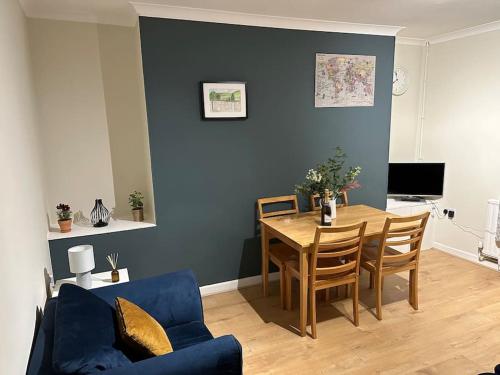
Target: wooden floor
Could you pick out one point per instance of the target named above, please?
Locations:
(456, 330)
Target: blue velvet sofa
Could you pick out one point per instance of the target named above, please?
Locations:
(174, 301)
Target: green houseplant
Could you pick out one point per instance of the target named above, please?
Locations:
(135, 200)
(331, 175)
(64, 217)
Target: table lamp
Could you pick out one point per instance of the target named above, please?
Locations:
(81, 262)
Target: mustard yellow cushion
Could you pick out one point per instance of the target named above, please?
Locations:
(140, 331)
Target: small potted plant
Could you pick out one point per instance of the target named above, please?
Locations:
(135, 201)
(64, 217)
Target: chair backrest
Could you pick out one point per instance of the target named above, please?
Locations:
(314, 201)
(262, 202)
(400, 231)
(346, 249)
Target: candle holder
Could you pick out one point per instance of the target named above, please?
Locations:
(99, 217)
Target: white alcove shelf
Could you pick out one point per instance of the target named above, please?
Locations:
(77, 230)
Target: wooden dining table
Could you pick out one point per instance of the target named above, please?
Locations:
(297, 231)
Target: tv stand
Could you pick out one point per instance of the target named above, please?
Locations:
(407, 208)
(412, 198)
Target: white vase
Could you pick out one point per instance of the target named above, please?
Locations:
(333, 206)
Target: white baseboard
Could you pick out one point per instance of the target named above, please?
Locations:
(464, 255)
(228, 286)
(457, 252)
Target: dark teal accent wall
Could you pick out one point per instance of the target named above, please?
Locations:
(207, 175)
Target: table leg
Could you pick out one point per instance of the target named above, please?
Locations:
(304, 271)
(265, 260)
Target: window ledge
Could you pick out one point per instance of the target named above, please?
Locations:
(79, 230)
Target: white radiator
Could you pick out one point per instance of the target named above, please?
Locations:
(492, 226)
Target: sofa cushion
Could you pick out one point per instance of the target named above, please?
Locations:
(141, 332)
(85, 338)
(173, 298)
(184, 335)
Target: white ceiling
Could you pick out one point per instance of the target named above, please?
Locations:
(421, 18)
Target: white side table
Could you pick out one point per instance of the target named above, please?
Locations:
(413, 208)
(98, 280)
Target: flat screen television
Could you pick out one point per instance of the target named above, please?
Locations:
(416, 180)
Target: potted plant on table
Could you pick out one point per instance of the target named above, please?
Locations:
(135, 200)
(64, 217)
(331, 176)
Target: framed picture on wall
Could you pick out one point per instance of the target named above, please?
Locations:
(224, 100)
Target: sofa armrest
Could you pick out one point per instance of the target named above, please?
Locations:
(40, 361)
(172, 299)
(222, 355)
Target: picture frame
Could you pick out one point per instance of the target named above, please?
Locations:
(224, 101)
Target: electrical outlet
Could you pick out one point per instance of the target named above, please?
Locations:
(450, 213)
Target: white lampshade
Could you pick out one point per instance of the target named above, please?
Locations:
(81, 258)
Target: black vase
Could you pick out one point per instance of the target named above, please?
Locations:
(99, 217)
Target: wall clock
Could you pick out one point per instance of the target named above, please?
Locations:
(400, 81)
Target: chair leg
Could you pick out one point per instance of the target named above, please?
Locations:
(410, 288)
(414, 288)
(378, 295)
(382, 284)
(312, 310)
(264, 241)
(355, 302)
(327, 295)
(288, 288)
(282, 285)
(372, 280)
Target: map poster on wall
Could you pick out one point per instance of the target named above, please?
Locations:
(344, 80)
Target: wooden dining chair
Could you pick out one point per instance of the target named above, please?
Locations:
(381, 259)
(333, 263)
(314, 201)
(279, 252)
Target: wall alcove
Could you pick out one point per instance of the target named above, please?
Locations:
(93, 121)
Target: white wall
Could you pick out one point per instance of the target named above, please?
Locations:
(405, 108)
(93, 115)
(462, 127)
(68, 81)
(121, 63)
(23, 232)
